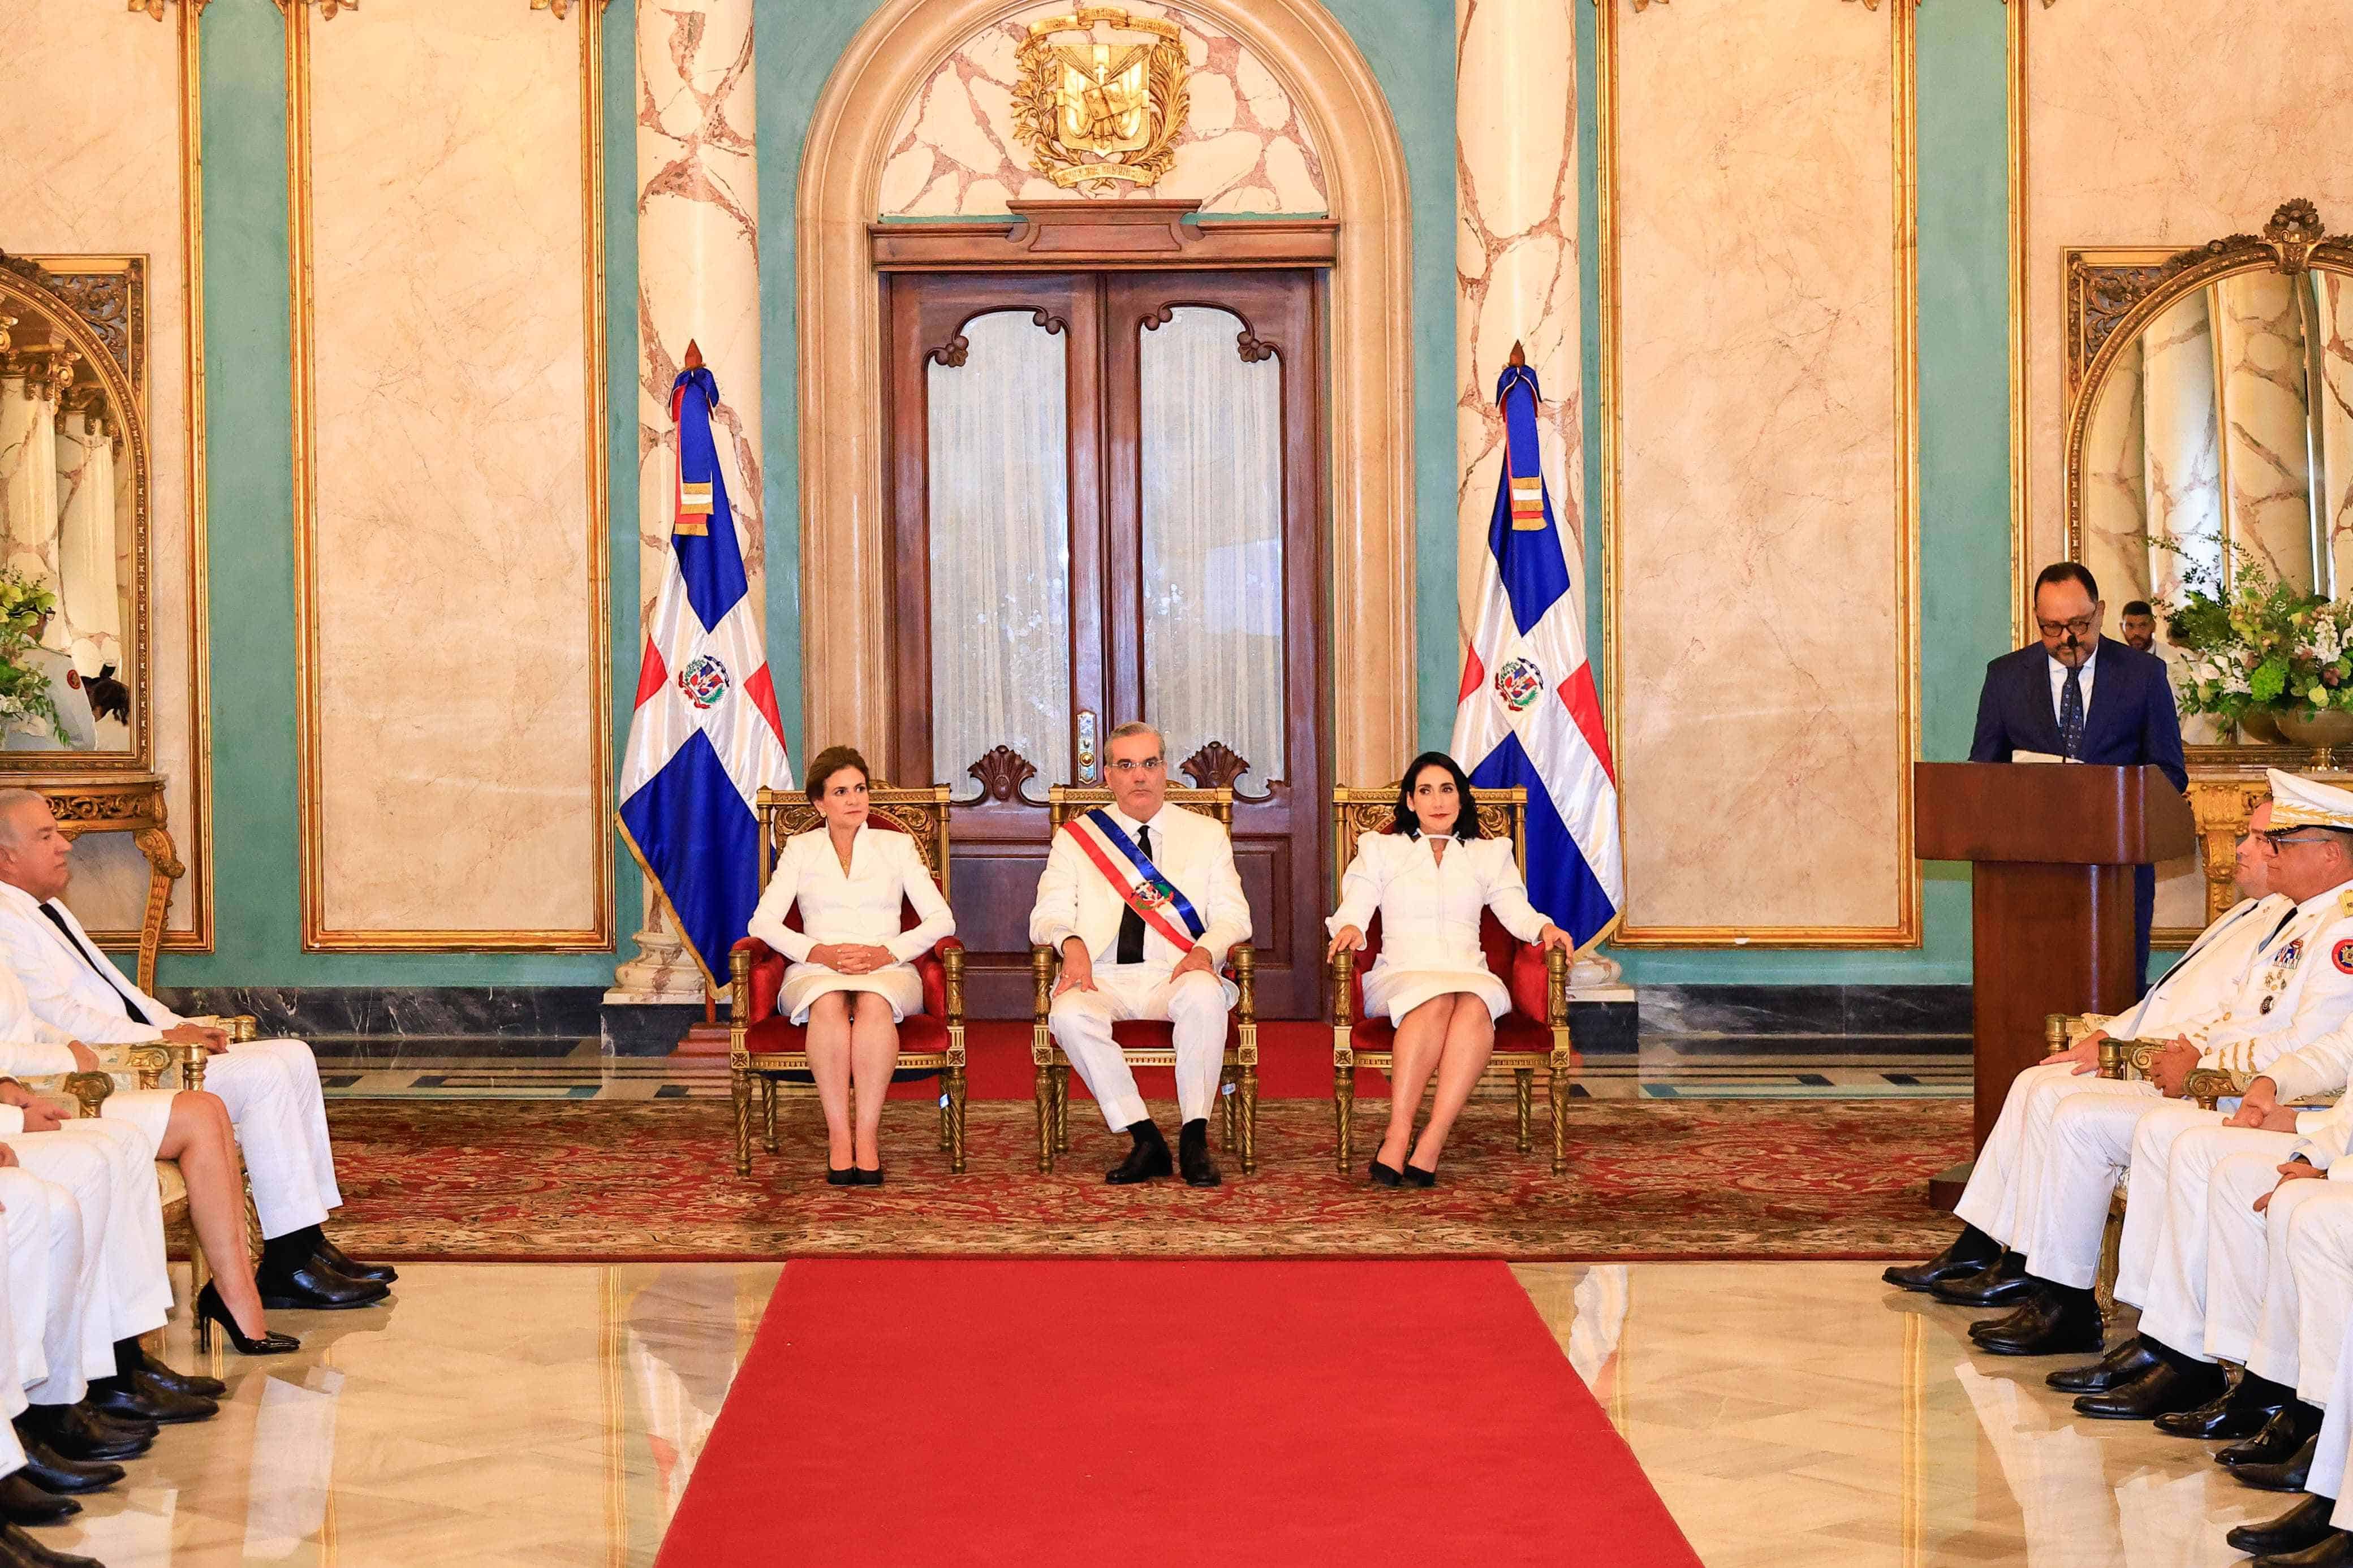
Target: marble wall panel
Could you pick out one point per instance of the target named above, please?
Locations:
(454, 600)
(93, 167)
(2164, 122)
(2258, 375)
(2332, 382)
(2116, 492)
(1766, 642)
(1245, 147)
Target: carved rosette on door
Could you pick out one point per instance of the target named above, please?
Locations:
(1115, 481)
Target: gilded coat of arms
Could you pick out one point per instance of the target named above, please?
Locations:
(1101, 98)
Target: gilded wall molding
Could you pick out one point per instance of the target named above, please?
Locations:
(317, 937)
(327, 9)
(1905, 590)
(845, 565)
(155, 7)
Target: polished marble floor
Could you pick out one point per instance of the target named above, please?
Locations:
(1789, 1414)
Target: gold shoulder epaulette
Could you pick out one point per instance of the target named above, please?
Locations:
(2345, 902)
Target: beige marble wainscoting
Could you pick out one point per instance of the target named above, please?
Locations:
(553, 1414)
(98, 162)
(449, 524)
(1245, 147)
(1763, 502)
(2159, 123)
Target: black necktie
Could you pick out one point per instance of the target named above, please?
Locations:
(1131, 924)
(2071, 712)
(58, 920)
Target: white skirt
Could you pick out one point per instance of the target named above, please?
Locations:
(148, 1110)
(804, 982)
(1398, 992)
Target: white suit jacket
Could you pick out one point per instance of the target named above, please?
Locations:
(1191, 851)
(67, 990)
(2296, 994)
(1430, 911)
(860, 905)
(33, 1052)
(2192, 996)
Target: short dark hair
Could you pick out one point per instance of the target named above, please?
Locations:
(2068, 572)
(1466, 824)
(2137, 607)
(829, 761)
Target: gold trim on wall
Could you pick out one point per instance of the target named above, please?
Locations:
(199, 939)
(2021, 275)
(316, 936)
(1903, 152)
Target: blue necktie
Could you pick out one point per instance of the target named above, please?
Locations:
(2071, 712)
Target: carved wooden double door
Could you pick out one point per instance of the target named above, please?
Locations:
(1107, 494)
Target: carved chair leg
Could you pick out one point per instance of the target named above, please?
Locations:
(947, 1139)
(1248, 1097)
(199, 1275)
(1045, 1119)
(1559, 1120)
(1061, 1107)
(1344, 1112)
(768, 1112)
(1225, 1109)
(956, 1120)
(1523, 1086)
(2112, 1234)
(742, 1088)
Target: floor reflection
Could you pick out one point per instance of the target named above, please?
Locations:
(553, 1414)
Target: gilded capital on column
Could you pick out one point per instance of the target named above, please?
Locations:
(697, 280)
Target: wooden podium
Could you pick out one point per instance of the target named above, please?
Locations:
(2051, 911)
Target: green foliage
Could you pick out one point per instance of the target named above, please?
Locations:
(25, 701)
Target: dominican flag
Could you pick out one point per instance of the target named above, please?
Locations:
(706, 735)
(1527, 715)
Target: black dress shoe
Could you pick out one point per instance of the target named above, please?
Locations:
(2157, 1391)
(2114, 1369)
(23, 1502)
(1415, 1177)
(2288, 1475)
(1147, 1161)
(350, 1267)
(2334, 1550)
(138, 1397)
(2242, 1410)
(53, 1472)
(2013, 1321)
(845, 1177)
(867, 1178)
(78, 1435)
(2058, 1323)
(310, 1286)
(211, 1309)
(1193, 1156)
(2306, 1524)
(2003, 1285)
(1972, 1252)
(2295, 1424)
(18, 1550)
(131, 1358)
(1382, 1176)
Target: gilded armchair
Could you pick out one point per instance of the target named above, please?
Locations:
(1145, 1042)
(763, 1045)
(145, 1066)
(1533, 1034)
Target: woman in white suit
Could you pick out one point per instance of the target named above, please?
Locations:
(1428, 878)
(852, 976)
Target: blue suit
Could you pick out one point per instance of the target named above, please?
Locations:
(2129, 722)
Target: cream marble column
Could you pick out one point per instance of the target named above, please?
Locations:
(697, 280)
(28, 462)
(1515, 275)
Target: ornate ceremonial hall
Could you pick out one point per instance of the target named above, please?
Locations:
(931, 782)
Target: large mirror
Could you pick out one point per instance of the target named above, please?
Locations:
(74, 487)
(2210, 413)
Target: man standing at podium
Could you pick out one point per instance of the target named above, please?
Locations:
(2076, 694)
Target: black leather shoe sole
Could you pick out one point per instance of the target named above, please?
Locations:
(2305, 1525)
(2124, 1364)
(2008, 1292)
(1923, 1278)
(2288, 1475)
(2064, 1341)
(278, 1301)
(2218, 1423)
(180, 1410)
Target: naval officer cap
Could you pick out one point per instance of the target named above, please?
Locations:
(2298, 801)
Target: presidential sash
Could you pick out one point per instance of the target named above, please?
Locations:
(1133, 875)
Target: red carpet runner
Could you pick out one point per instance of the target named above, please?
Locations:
(918, 1413)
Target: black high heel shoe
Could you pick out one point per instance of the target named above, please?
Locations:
(1382, 1176)
(845, 1177)
(1415, 1177)
(867, 1178)
(210, 1308)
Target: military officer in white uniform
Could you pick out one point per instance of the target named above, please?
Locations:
(271, 1086)
(1985, 1266)
(1144, 902)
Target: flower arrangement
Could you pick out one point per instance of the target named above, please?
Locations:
(2259, 645)
(25, 702)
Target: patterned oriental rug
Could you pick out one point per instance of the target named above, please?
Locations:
(600, 1182)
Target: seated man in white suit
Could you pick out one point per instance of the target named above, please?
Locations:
(271, 1086)
(1144, 901)
(1985, 1266)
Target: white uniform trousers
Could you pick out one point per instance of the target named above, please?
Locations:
(270, 1089)
(2332, 1458)
(2145, 1208)
(2007, 1183)
(12, 1396)
(48, 1333)
(2173, 1306)
(2251, 1280)
(1195, 1004)
(109, 1168)
(2307, 1290)
(2093, 1137)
